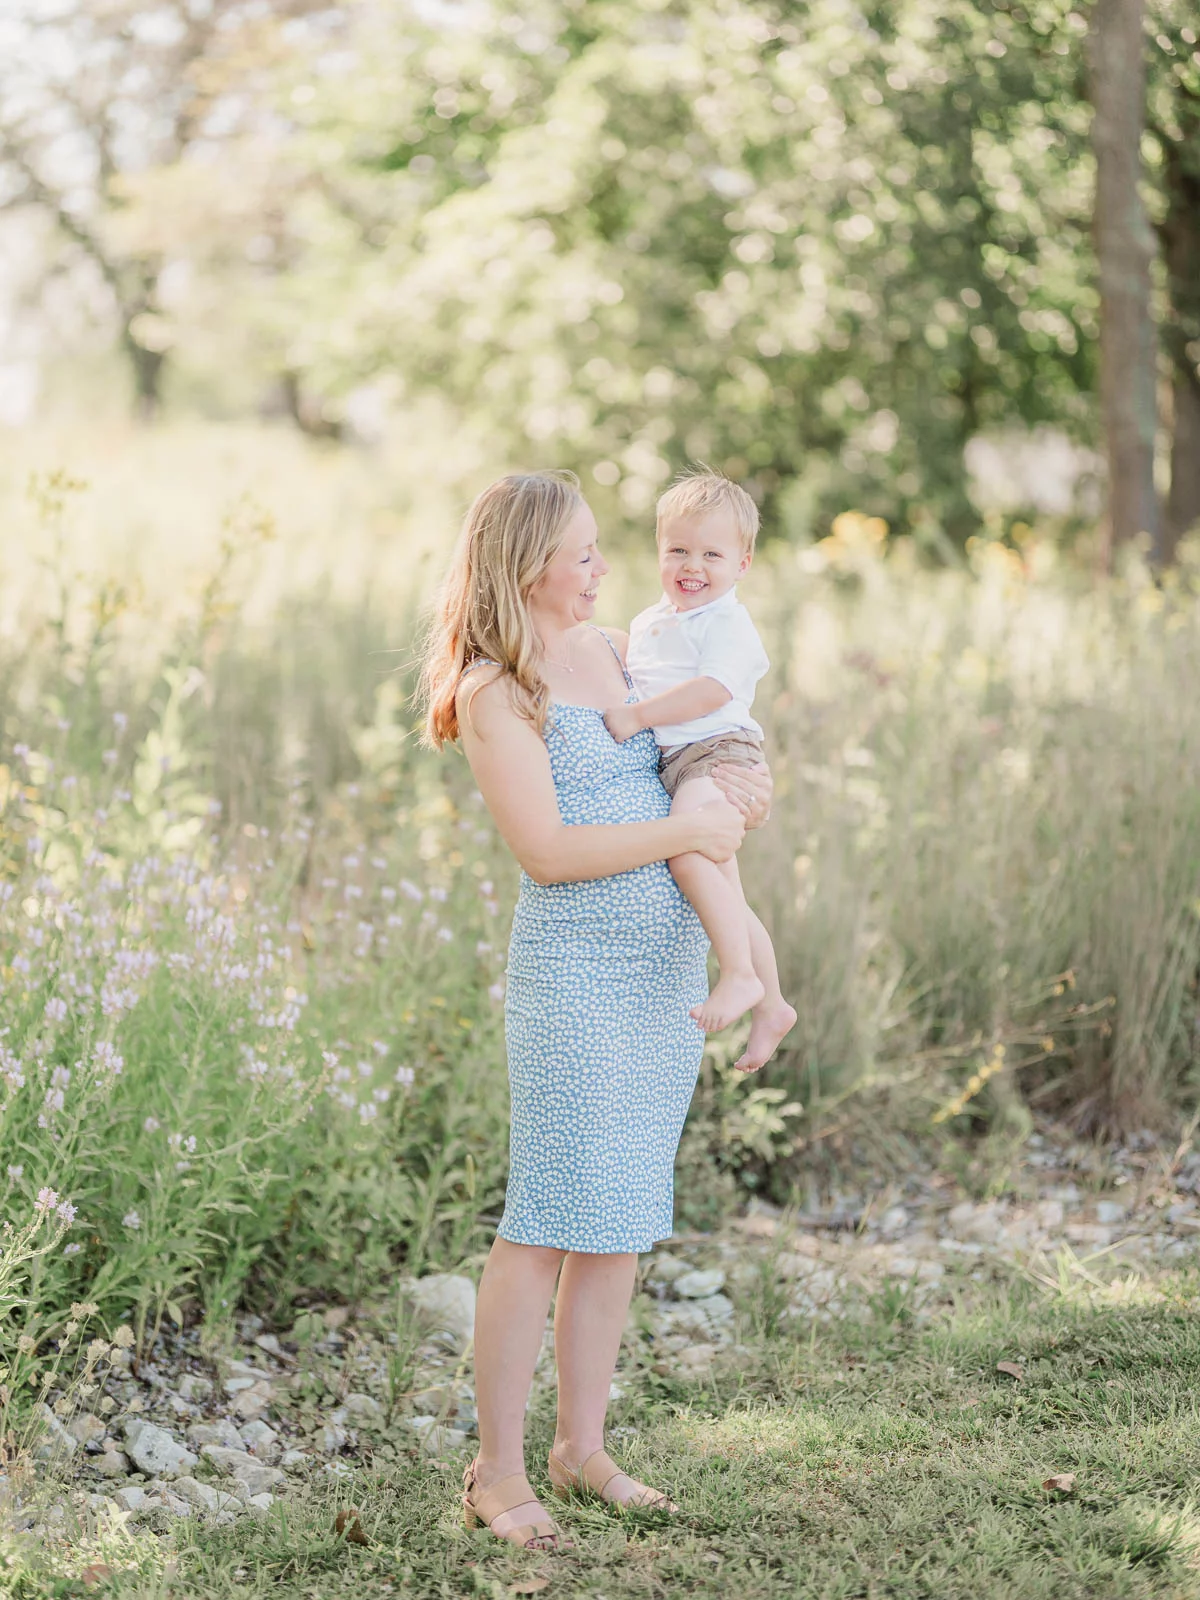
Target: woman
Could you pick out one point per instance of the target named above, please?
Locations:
(606, 960)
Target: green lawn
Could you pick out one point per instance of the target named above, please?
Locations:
(882, 1456)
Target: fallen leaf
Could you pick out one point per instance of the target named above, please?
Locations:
(98, 1572)
(1011, 1368)
(347, 1524)
(529, 1586)
(1064, 1482)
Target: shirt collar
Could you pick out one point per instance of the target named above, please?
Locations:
(724, 602)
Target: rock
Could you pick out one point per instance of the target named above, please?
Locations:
(131, 1497)
(221, 1432)
(154, 1451)
(436, 1439)
(1089, 1233)
(1050, 1213)
(254, 1476)
(893, 1221)
(252, 1402)
(445, 1303)
(697, 1357)
(1111, 1211)
(111, 1463)
(193, 1388)
(666, 1268)
(86, 1429)
(364, 1408)
(57, 1441)
(269, 1343)
(699, 1285)
(261, 1503)
(291, 1459)
(262, 1439)
(205, 1497)
(332, 1437)
(438, 1400)
(981, 1224)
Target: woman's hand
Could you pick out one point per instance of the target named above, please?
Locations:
(718, 830)
(748, 788)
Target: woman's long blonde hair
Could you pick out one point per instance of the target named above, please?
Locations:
(511, 534)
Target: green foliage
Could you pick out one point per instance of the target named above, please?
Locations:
(807, 246)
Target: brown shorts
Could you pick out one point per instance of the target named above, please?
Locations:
(697, 760)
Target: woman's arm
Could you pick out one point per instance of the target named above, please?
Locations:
(509, 760)
(685, 702)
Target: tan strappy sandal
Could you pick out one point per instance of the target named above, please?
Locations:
(485, 1505)
(596, 1473)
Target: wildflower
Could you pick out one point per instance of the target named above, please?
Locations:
(445, 935)
(55, 1009)
(487, 887)
(16, 1172)
(26, 1345)
(365, 1069)
(367, 1111)
(109, 758)
(438, 893)
(496, 992)
(72, 1249)
(67, 1212)
(151, 1125)
(387, 893)
(483, 948)
(123, 1337)
(130, 1220)
(394, 921)
(120, 721)
(107, 1060)
(410, 890)
(46, 1201)
(379, 1047)
(381, 1095)
(404, 1076)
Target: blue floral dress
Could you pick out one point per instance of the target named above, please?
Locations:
(602, 1054)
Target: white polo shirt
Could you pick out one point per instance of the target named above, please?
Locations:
(668, 647)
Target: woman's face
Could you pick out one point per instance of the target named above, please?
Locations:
(566, 592)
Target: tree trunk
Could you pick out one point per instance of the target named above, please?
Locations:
(147, 369)
(1180, 233)
(1124, 250)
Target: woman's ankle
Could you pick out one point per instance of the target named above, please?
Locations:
(573, 1453)
(492, 1469)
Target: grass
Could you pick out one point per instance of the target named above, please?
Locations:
(881, 1456)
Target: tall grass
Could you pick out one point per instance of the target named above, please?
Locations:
(252, 935)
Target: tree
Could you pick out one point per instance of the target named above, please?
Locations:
(814, 245)
(1174, 119)
(94, 92)
(1124, 250)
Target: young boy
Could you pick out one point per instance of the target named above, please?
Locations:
(695, 658)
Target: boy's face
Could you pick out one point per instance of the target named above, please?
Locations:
(700, 559)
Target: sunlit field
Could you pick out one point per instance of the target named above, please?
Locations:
(253, 933)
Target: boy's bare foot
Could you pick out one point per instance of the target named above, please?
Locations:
(769, 1026)
(733, 995)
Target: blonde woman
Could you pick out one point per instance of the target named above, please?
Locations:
(606, 960)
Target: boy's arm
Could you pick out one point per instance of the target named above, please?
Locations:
(686, 701)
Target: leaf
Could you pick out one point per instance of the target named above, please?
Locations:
(175, 1314)
(1011, 1368)
(347, 1524)
(529, 1586)
(1064, 1482)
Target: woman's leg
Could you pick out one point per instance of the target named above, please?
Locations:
(589, 1316)
(510, 1318)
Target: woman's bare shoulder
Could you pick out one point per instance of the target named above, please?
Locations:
(484, 694)
(620, 640)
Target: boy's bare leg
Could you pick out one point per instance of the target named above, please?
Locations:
(716, 893)
(772, 1018)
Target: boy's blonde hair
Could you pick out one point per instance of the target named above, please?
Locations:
(511, 534)
(695, 494)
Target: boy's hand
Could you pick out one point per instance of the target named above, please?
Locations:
(623, 722)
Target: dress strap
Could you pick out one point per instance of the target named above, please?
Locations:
(479, 661)
(616, 652)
